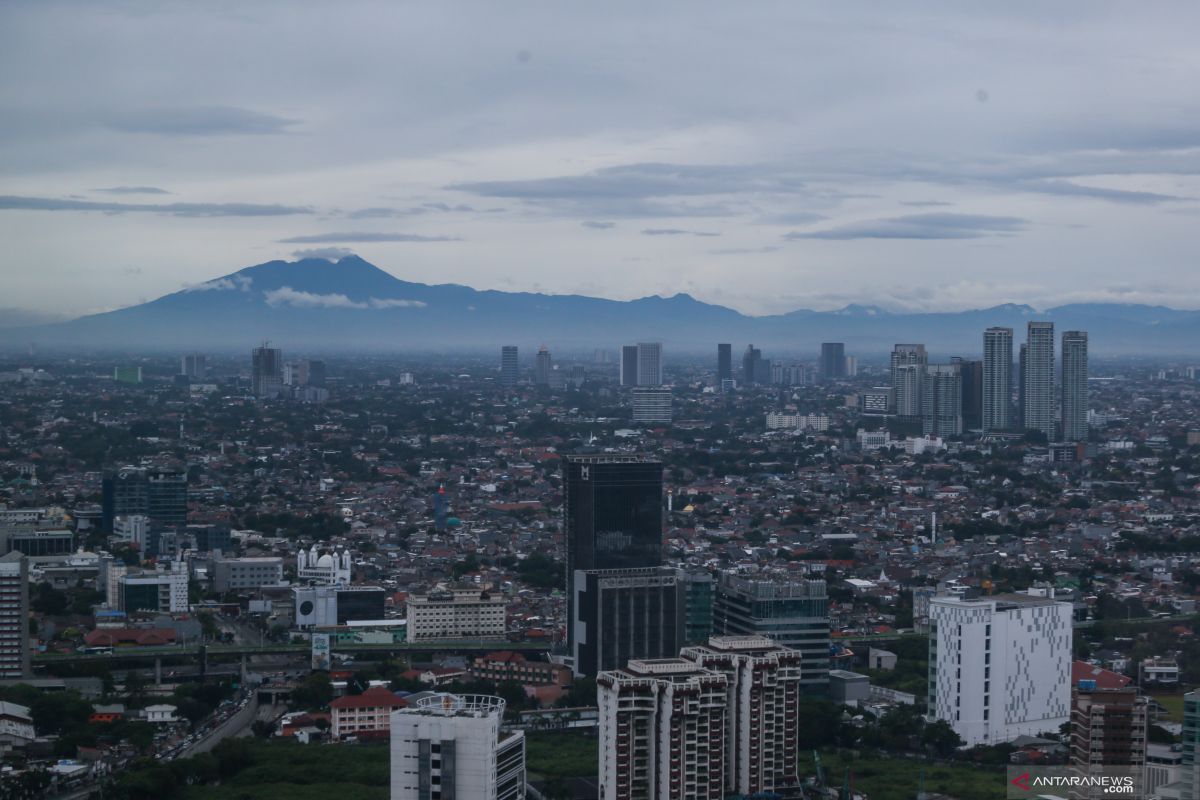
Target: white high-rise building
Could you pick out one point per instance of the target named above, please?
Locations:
(908, 373)
(450, 747)
(1000, 667)
(649, 364)
(997, 379)
(942, 398)
(1074, 386)
(1037, 412)
(652, 405)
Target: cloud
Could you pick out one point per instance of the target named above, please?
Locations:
(18, 203)
(1067, 188)
(199, 121)
(386, 302)
(597, 225)
(327, 253)
(919, 226)
(793, 218)
(20, 317)
(675, 232)
(132, 190)
(287, 296)
(743, 251)
(227, 284)
(365, 236)
(383, 212)
(924, 203)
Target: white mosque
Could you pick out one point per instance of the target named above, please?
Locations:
(330, 568)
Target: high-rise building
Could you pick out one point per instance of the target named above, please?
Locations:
(652, 406)
(851, 366)
(908, 378)
(1022, 357)
(194, 365)
(698, 593)
(542, 366)
(159, 494)
(266, 371)
(459, 614)
(1074, 386)
(623, 614)
(649, 361)
(14, 616)
(508, 365)
(942, 399)
(724, 365)
(1038, 402)
(1191, 745)
(762, 719)
(833, 360)
(613, 514)
(662, 731)
(997, 379)
(315, 374)
(971, 373)
(793, 613)
(750, 364)
(1108, 726)
(1000, 666)
(451, 747)
(629, 365)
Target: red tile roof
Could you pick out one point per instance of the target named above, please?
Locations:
(375, 697)
(1104, 678)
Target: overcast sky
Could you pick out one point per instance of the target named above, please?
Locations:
(763, 156)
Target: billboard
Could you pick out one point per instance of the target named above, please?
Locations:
(320, 651)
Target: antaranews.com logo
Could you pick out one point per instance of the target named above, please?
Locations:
(1096, 781)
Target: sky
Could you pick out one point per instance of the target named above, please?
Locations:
(764, 156)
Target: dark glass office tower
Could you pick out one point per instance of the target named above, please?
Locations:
(159, 494)
(629, 365)
(833, 360)
(750, 364)
(624, 614)
(972, 392)
(613, 514)
(724, 364)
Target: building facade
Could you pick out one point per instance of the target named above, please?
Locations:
(629, 365)
(624, 614)
(236, 574)
(158, 494)
(1037, 411)
(997, 379)
(266, 371)
(14, 616)
(456, 615)
(451, 747)
(908, 364)
(1074, 386)
(649, 364)
(1108, 726)
(364, 716)
(724, 365)
(942, 398)
(762, 723)
(508, 365)
(162, 590)
(651, 406)
(792, 613)
(999, 667)
(662, 731)
(833, 360)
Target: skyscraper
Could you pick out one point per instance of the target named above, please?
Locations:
(750, 364)
(793, 613)
(1074, 386)
(1038, 406)
(649, 364)
(508, 365)
(613, 515)
(629, 365)
(542, 366)
(724, 364)
(450, 746)
(1000, 666)
(266, 371)
(1108, 726)
(997, 379)
(14, 616)
(762, 715)
(623, 614)
(942, 398)
(908, 383)
(160, 494)
(833, 360)
(971, 373)
(194, 365)
(662, 731)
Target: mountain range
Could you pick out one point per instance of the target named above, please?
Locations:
(318, 305)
